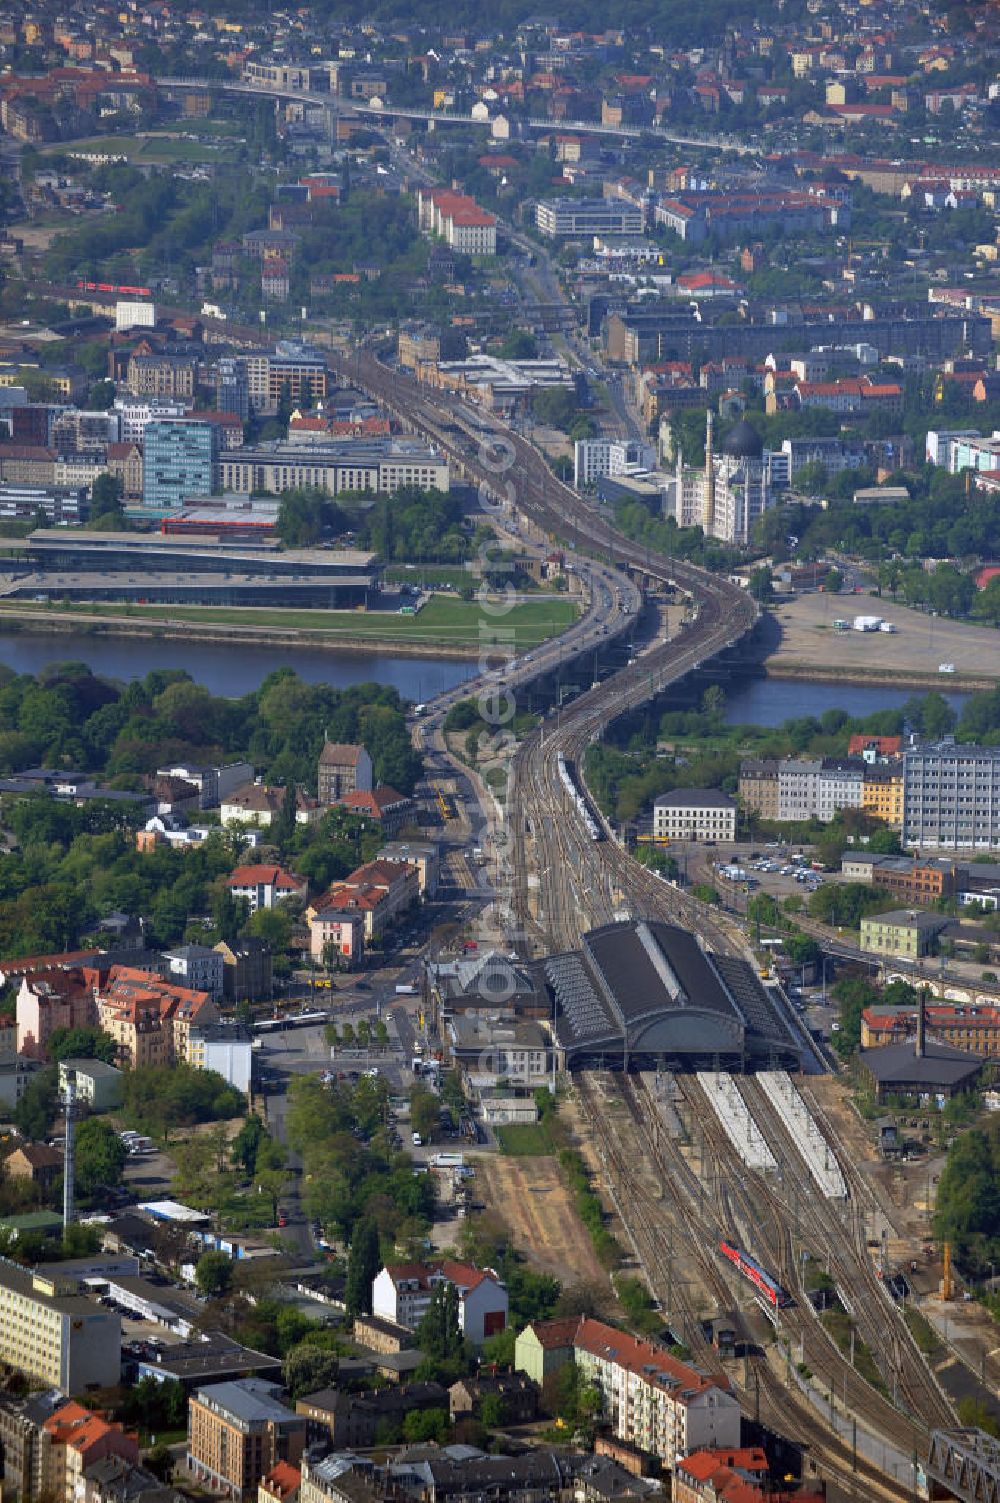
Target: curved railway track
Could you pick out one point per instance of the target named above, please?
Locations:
(584, 882)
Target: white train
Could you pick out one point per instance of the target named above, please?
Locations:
(591, 825)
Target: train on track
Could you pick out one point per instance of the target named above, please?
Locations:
(764, 1282)
(124, 291)
(591, 824)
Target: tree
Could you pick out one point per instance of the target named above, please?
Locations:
(519, 345)
(760, 586)
(100, 1157)
(363, 1263)
(214, 1273)
(308, 1367)
(106, 494)
(248, 1142)
(82, 1043)
(425, 1112)
(439, 1335)
(34, 1113)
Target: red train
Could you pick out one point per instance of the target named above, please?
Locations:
(751, 1269)
(113, 287)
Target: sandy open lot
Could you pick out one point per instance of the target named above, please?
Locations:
(529, 1195)
(920, 643)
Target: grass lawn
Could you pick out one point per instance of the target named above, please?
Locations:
(140, 149)
(525, 1140)
(449, 574)
(444, 621)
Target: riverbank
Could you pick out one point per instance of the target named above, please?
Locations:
(446, 627)
(880, 678)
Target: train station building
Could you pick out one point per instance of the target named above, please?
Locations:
(644, 994)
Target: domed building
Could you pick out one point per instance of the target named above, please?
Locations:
(734, 489)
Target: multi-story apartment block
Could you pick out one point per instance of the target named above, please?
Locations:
(694, 814)
(840, 785)
(178, 461)
(150, 1019)
(377, 891)
(293, 370)
(798, 787)
(135, 412)
(882, 794)
(758, 787)
(651, 1400)
(237, 1432)
(951, 796)
(54, 1335)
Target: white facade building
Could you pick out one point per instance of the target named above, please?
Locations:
(402, 1293)
(694, 814)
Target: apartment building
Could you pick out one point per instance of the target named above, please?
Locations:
(758, 786)
(151, 1019)
(56, 996)
(464, 226)
(162, 376)
(651, 1400)
(377, 891)
(951, 796)
(74, 1439)
(53, 1334)
(741, 1475)
(238, 1432)
(401, 1292)
(357, 465)
(882, 793)
(343, 768)
(840, 785)
(694, 814)
(293, 368)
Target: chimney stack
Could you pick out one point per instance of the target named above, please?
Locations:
(921, 1025)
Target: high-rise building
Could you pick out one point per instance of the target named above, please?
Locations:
(178, 461)
(951, 796)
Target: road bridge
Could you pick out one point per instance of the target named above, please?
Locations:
(388, 111)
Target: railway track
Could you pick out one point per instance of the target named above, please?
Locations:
(584, 882)
(776, 1231)
(702, 1217)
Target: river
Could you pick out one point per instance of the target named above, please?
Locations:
(769, 701)
(230, 670)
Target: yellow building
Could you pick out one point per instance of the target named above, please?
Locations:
(53, 1335)
(882, 795)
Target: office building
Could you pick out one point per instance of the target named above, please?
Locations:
(594, 458)
(582, 218)
(904, 933)
(178, 461)
(951, 796)
(356, 465)
(54, 1335)
(237, 1432)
